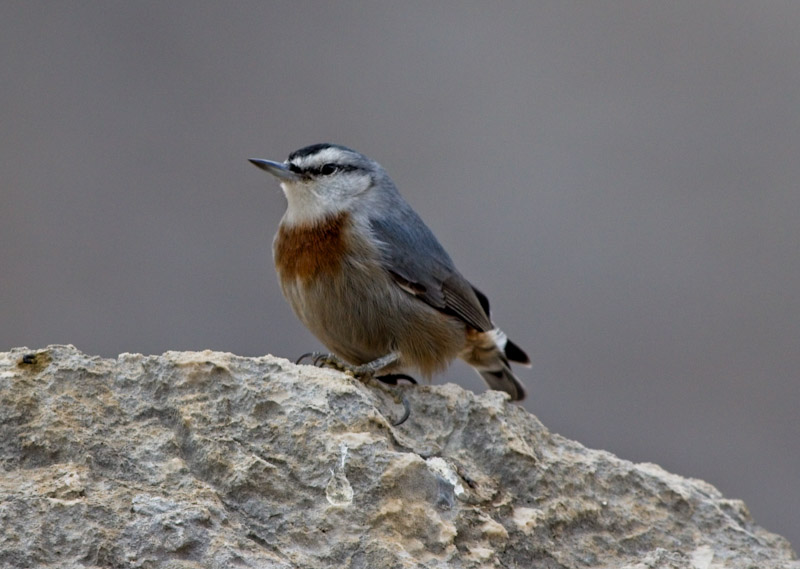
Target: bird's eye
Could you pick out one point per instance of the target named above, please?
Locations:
(327, 169)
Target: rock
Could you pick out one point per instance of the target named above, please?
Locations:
(207, 459)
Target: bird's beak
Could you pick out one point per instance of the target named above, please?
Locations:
(277, 169)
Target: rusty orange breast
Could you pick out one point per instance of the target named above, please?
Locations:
(309, 251)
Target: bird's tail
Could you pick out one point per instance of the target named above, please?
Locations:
(503, 379)
(490, 353)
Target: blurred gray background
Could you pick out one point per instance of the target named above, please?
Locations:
(621, 178)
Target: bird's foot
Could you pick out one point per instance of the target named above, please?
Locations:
(391, 379)
(322, 359)
(361, 372)
(365, 373)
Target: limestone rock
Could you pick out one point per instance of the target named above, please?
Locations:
(211, 460)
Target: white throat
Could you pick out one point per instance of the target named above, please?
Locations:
(310, 202)
(306, 207)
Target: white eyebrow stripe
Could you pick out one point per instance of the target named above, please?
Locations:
(324, 156)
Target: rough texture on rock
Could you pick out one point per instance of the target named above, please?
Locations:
(206, 459)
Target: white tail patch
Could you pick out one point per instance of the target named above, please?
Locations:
(500, 338)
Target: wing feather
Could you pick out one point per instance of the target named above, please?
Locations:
(421, 266)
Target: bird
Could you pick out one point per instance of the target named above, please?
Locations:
(369, 279)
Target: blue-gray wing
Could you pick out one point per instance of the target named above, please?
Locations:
(421, 266)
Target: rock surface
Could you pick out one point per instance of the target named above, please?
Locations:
(206, 459)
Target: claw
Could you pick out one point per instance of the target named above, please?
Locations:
(393, 378)
(406, 413)
(299, 360)
(321, 359)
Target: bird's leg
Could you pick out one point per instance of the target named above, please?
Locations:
(369, 369)
(364, 371)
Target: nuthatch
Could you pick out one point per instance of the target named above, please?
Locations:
(369, 279)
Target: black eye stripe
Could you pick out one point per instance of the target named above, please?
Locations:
(324, 170)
